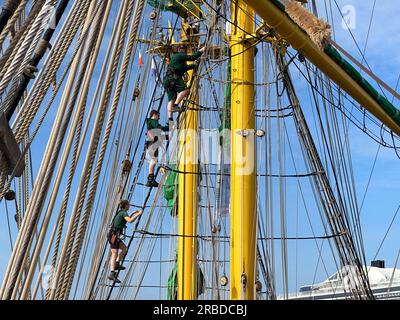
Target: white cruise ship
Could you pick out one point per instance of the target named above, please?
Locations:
(384, 282)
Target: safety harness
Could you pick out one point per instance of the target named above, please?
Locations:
(115, 234)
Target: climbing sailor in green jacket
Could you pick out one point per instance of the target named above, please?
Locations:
(153, 142)
(173, 81)
(114, 237)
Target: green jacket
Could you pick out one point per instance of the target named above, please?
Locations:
(154, 124)
(178, 62)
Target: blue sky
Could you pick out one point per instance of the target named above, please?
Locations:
(381, 56)
(382, 198)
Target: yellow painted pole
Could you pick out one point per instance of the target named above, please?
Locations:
(243, 179)
(187, 201)
(291, 32)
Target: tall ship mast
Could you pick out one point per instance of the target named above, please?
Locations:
(194, 150)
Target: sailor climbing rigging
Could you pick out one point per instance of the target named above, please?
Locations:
(114, 237)
(173, 81)
(153, 142)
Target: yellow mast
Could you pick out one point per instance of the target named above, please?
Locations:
(187, 202)
(243, 181)
(188, 185)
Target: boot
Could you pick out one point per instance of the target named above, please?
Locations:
(113, 277)
(151, 181)
(119, 266)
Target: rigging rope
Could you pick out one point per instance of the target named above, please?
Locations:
(81, 191)
(120, 82)
(10, 24)
(337, 222)
(24, 238)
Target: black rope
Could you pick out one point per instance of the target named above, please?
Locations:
(260, 175)
(184, 107)
(266, 116)
(209, 238)
(339, 107)
(141, 161)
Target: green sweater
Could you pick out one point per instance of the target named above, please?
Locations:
(154, 124)
(178, 62)
(119, 221)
